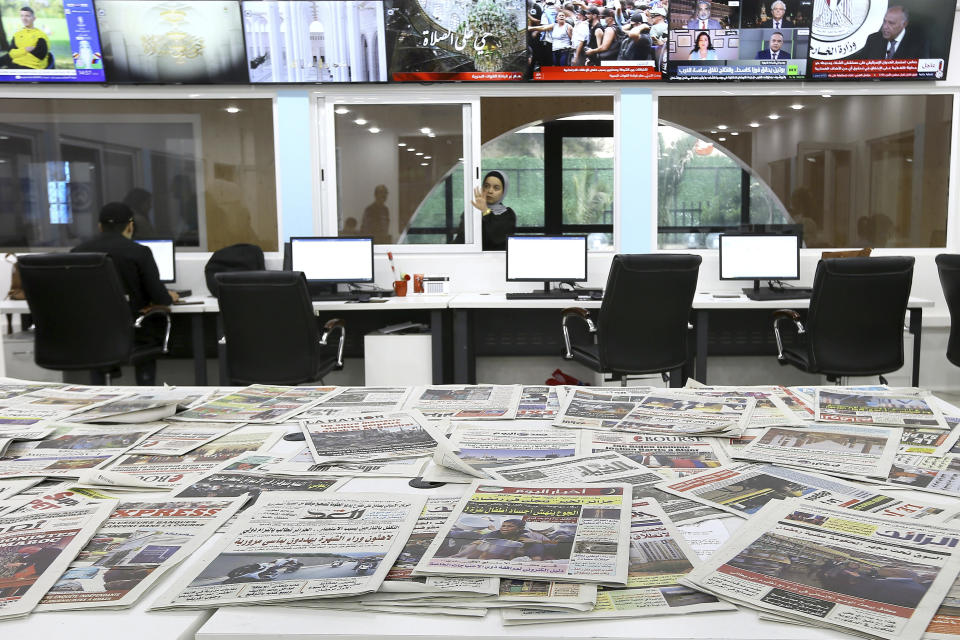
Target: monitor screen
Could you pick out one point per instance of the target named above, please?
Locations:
(333, 259)
(49, 42)
(753, 256)
(149, 41)
(739, 40)
(303, 41)
(894, 40)
(546, 258)
(164, 255)
(439, 40)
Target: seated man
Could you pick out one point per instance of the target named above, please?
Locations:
(139, 277)
(30, 47)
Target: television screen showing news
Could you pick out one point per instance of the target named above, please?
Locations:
(49, 41)
(601, 40)
(739, 40)
(886, 39)
(444, 41)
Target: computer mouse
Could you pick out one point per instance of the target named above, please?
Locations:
(363, 297)
(596, 295)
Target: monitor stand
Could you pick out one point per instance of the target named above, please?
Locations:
(545, 294)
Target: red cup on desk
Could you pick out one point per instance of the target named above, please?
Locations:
(418, 283)
(400, 288)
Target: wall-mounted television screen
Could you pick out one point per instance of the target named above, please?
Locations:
(304, 41)
(146, 41)
(881, 39)
(739, 40)
(49, 41)
(593, 42)
(442, 41)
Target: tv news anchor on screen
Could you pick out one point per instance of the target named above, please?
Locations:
(778, 21)
(895, 40)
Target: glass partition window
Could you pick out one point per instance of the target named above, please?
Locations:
(200, 171)
(855, 171)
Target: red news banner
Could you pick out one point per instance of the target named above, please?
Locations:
(625, 72)
(867, 68)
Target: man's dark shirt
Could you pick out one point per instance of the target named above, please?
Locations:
(134, 264)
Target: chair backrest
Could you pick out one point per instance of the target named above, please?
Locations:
(855, 322)
(949, 267)
(236, 257)
(270, 328)
(642, 326)
(80, 310)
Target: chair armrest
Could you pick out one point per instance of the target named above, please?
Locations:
(567, 314)
(328, 328)
(785, 314)
(152, 311)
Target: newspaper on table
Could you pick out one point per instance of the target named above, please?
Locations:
(144, 406)
(350, 399)
(946, 621)
(36, 548)
(844, 450)
(706, 536)
(465, 401)
(42, 406)
(775, 405)
(134, 548)
(688, 412)
(659, 556)
(594, 467)
(743, 489)
(361, 437)
(540, 402)
(180, 438)
(837, 568)
(680, 510)
(567, 532)
(258, 404)
(302, 463)
(70, 449)
(734, 446)
(294, 546)
(165, 472)
(598, 407)
(9, 434)
(927, 442)
(673, 456)
(13, 387)
(13, 486)
(933, 474)
(228, 483)
(895, 408)
(470, 449)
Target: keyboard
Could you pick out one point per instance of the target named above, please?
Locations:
(350, 295)
(555, 294)
(788, 293)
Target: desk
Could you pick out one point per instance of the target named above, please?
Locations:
(704, 303)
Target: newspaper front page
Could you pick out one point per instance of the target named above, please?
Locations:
(227, 483)
(946, 621)
(362, 437)
(576, 533)
(927, 442)
(863, 573)
(934, 474)
(43, 405)
(659, 556)
(681, 510)
(598, 407)
(297, 546)
(466, 402)
(775, 405)
(538, 403)
(673, 456)
(144, 406)
(595, 467)
(844, 450)
(258, 404)
(178, 439)
(37, 546)
(895, 408)
(133, 548)
(352, 399)
(743, 489)
(302, 463)
(689, 413)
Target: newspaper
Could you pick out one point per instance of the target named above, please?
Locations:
(178, 438)
(844, 450)
(659, 556)
(896, 408)
(142, 407)
(470, 449)
(302, 463)
(258, 404)
(36, 548)
(361, 437)
(349, 399)
(598, 407)
(70, 449)
(681, 510)
(934, 474)
(13, 486)
(44, 405)
(595, 467)
(538, 403)
(134, 548)
(688, 412)
(170, 471)
(861, 573)
(946, 621)
(775, 405)
(228, 483)
(576, 533)
(466, 402)
(743, 489)
(706, 536)
(300, 545)
(673, 456)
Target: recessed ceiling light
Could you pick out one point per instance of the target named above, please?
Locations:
(754, 124)
(425, 130)
(419, 153)
(811, 159)
(909, 159)
(193, 95)
(722, 127)
(401, 144)
(341, 110)
(374, 129)
(796, 106)
(825, 95)
(410, 149)
(360, 121)
(431, 135)
(232, 109)
(713, 130)
(427, 157)
(722, 139)
(774, 116)
(424, 164)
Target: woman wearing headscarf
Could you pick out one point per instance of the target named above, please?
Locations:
(499, 220)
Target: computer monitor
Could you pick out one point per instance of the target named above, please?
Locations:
(546, 259)
(323, 259)
(164, 255)
(760, 256)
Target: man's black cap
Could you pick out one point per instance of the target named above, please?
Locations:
(114, 212)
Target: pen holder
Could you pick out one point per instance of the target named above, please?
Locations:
(418, 283)
(400, 288)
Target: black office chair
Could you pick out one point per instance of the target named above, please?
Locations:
(854, 325)
(949, 267)
(81, 314)
(642, 326)
(270, 330)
